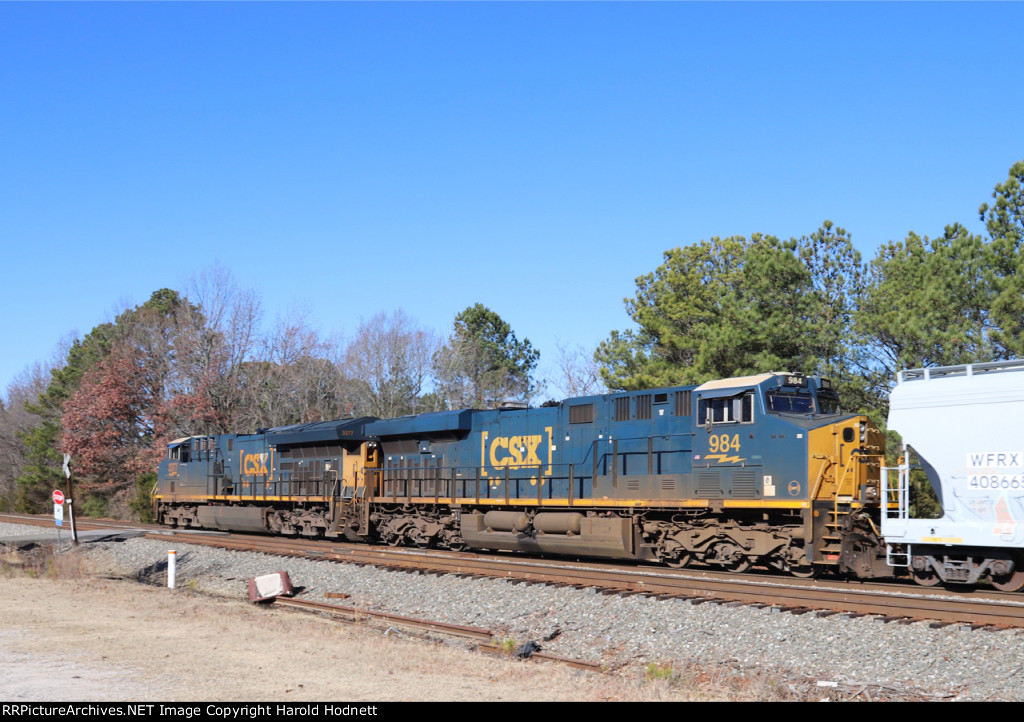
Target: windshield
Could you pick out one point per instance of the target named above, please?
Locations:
(790, 403)
(828, 401)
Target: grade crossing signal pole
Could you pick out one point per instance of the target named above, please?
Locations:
(71, 511)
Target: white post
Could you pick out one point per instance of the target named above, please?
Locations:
(172, 557)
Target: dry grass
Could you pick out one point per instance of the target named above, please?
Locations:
(42, 561)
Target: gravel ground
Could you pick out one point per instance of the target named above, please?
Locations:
(914, 660)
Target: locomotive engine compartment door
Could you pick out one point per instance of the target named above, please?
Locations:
(254, 463)
(724, 465)
(201, 451)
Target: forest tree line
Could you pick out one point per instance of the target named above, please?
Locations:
(197, 361)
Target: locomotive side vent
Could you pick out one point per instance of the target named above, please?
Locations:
(708, 484)
(744, 483)
(622, 408)
(581, 414)
(643, 406)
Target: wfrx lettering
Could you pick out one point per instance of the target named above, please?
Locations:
(995, 459)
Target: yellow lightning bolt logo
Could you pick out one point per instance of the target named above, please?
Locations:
(724, 459)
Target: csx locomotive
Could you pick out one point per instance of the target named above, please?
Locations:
(757, 470)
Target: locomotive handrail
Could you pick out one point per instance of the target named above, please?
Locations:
(825, 464)
(847, 474)
(850, 468)
(396, 483)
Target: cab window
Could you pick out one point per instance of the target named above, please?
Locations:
(737, 409)
(178, 453)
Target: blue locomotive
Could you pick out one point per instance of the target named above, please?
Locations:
(760, 469)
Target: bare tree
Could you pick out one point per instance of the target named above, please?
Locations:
(217, 345)
(15, 420)
(576, 374)
(296, 378)
(388, 363)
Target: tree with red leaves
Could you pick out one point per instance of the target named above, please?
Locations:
(135, 399)
(114, 425)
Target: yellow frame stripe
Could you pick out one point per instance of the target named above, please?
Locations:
(244, 498)
(473, 501)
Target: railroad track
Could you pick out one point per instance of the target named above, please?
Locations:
(483, 637)
(891, 602)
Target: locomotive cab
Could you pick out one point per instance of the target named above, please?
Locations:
(778, 446)
(304, 479)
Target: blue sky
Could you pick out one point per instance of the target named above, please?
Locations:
(357, 158)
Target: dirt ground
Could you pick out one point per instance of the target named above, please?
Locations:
(101, 640)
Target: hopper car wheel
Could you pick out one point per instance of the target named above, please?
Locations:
(1012, 582)
(927, 578)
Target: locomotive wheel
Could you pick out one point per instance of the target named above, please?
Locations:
(738, 566)
(808, 572)
(729, 556)
(927, 578)
(682, 561)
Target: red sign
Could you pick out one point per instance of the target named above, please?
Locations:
(58, 496)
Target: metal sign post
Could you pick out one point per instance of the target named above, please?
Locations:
(71, 511)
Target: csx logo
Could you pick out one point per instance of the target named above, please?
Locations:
(512, 452)
(515, 451)
(252, 464)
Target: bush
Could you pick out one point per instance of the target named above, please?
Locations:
(94, 505)
(141, 503)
